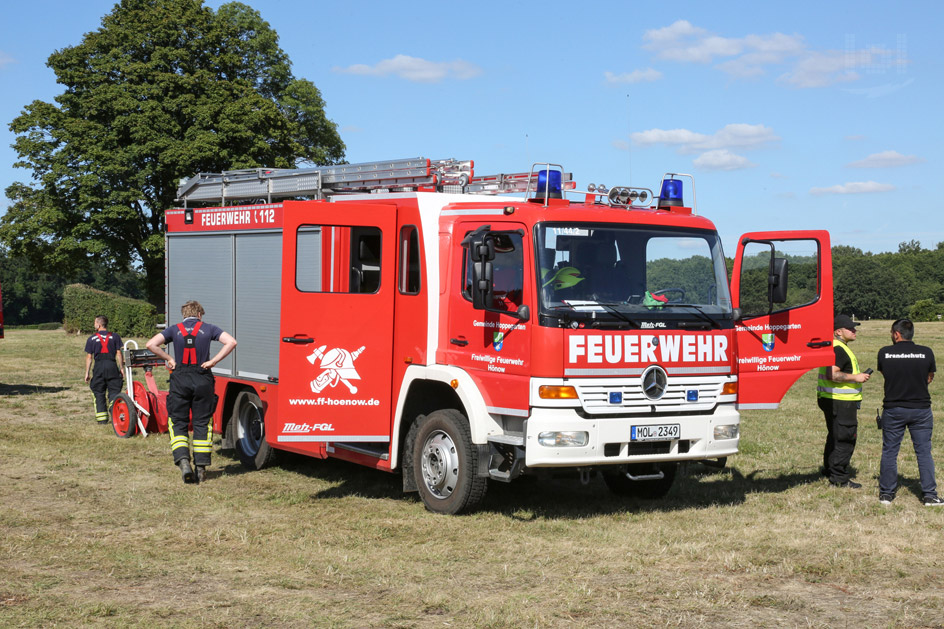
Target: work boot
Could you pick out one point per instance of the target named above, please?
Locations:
(186, 471)
(201, 473)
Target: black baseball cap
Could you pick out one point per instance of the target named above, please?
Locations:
(844, 321)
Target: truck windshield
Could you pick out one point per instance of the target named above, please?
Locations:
(628, 272)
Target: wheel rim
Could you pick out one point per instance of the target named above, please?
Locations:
(250, 429)
(440, 465)
(120, 416)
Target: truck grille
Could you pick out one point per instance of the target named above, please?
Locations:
(691, 394)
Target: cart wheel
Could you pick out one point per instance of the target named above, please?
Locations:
(124, 416)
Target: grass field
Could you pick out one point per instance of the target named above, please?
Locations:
(100, 531)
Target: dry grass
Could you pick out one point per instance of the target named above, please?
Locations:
(96, 530)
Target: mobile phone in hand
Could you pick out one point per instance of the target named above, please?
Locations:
(868, 371)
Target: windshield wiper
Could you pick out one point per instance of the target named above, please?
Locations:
(611, 308)
(697, 309)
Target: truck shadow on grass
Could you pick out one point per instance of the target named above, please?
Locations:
(529, 497)
(28, 389)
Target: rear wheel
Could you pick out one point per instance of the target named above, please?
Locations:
(249, 423)
(620, 483)
(124, 416)
(445, 462)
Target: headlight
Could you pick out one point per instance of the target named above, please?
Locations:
(564, 439)
(729, 431)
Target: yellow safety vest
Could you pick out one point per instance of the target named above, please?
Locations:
(829, 389)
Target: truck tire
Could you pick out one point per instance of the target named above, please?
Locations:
(620, 484)
(249, 424)
(124, 416)
(445, 464)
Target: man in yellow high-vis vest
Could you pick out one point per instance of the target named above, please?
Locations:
(839, 394)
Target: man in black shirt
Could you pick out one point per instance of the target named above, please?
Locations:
(908, 370)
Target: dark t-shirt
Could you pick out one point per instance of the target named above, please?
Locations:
(906, 367)
(94, 345)
(208, 332)
(842, 359)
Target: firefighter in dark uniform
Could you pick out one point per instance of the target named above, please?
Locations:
(839, 394)
(104, 348)
(191, 386)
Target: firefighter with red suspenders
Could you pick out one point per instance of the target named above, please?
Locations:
(104, 348)
(191, 386)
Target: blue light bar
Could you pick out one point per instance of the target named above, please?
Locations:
(549, 184)
(671, 193)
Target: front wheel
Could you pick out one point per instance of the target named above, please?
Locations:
(124, 416)
(445, 463)
(620, 482)
(249, 422)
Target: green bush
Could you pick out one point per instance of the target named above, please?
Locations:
(926, 310)
(126, 317)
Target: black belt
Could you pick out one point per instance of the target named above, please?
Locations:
(100, 357)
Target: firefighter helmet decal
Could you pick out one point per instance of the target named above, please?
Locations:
(337, 366)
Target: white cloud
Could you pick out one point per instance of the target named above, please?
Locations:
(754, 54)
(820, 69)
(636, 76)
(855, 187)
(415, 69)
(886, 159)
(621, 145)
(738, 135)
(6, 59)
(722, 159)
(745, 56)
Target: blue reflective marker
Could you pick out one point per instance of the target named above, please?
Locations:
(616, 397)
(691, 395)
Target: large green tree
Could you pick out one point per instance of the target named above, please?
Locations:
(163, 90)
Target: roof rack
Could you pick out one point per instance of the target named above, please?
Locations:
(412, 174)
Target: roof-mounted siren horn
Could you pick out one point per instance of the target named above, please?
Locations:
(671, 194)
(629, 197)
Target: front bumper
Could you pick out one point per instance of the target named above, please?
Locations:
(609, 438)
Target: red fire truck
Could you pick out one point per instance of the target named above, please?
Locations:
(415, 317)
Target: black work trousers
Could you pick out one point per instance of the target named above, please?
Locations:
(842, 428)
(106, 379)
(191, 396)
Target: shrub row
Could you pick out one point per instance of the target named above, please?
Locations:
(126, 317)
(926, 310)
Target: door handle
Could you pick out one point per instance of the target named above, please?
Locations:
(815, 344)
(460, 342)
(298, 340)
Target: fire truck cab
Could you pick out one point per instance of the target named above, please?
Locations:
(412, 317)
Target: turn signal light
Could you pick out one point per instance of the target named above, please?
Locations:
(548, 392)
(730, 388)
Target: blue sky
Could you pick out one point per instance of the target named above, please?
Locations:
(795, 115)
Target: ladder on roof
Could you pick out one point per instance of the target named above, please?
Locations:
(403, 175)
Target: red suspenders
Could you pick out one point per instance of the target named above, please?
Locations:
(104, 340)
(190, 343)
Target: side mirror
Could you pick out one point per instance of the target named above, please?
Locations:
(777, 281)
(523, 313)
(482, 284)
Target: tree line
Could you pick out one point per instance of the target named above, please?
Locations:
(906, 283)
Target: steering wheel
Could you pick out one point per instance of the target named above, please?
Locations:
(672, 291)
